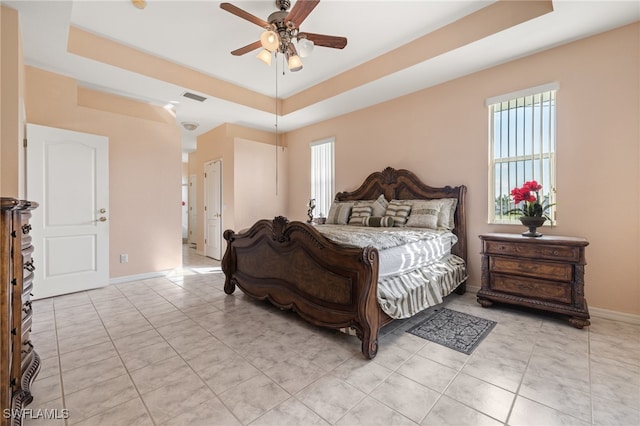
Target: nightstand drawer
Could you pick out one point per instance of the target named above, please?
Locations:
(532, 268)
(530, 287)
(533, 251)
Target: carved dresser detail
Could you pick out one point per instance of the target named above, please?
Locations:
(544, 273)
(19, 363)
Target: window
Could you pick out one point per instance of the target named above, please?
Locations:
(522, 145)
(322, 175)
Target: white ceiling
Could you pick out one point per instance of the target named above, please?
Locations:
(200, 35)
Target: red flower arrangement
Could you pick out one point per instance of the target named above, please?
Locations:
(530, 194)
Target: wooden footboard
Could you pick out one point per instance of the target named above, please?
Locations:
(292, 265)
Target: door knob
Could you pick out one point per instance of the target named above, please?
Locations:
(102, 219)
(103, 211)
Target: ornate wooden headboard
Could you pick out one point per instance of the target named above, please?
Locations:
(404, 185)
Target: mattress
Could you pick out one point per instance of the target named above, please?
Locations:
(400, 250)
(416, 267)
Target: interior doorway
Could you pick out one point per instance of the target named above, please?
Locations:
(213, 209)
(193, 211)
(68, 175)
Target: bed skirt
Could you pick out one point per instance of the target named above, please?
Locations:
(405, 295)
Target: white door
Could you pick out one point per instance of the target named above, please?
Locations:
(68, 175)
(213, 209)
(193, 211)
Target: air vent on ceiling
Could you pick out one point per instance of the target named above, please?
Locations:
(194, 96)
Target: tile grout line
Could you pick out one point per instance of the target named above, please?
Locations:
(123, 364)
(517, 392)
(180, 355)
(55, 324)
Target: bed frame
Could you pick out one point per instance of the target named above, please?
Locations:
(295, 267)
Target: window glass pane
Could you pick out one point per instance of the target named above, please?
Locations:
(522, 144)
(322, 176)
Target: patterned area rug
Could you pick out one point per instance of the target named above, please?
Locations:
(456, 330)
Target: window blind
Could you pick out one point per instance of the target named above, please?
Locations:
(522, 147)
(322, 175)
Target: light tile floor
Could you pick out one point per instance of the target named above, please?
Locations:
(177, 350)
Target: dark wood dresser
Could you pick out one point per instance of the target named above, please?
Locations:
(544, 273)
(19, 362)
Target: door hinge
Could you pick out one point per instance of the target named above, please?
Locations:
(205, 208)
(24, 142)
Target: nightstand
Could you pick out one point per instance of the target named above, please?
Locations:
(545, 273)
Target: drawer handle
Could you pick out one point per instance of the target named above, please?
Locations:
(29, 266)
(27, 343)
(26, 228)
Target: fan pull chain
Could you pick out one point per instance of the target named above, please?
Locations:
(277, 123)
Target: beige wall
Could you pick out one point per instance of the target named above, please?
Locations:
(255, 182)
(144, 166)
(11, 105)
(213, 145)
(240, 178)
(441, 134)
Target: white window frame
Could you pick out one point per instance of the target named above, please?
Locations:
(322, 175)
(526, 132)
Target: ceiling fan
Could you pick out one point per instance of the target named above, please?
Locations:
(282, 28)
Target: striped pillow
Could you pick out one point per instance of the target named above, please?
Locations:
(360, 211)
(399, 211)
(378, 221)
(339, 213)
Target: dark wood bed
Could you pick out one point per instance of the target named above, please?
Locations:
(295, 267)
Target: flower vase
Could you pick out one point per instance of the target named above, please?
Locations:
(532, 222)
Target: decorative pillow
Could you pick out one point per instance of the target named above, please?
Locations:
(399, 211)
(360, 211)
(339, 213)
(424, 214)
(379, 206)
(378, 221)
(446, 218)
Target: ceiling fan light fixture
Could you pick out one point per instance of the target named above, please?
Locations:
(270, 40)
(295, 63)
(265, 56)
(305, 47)
(139, 4)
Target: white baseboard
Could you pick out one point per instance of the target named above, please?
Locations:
(472, 288)
(614, 315)
(137, 277)
(594, 312)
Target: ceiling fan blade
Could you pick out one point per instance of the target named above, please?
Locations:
(301, 10)
(326, 40)
(243, 14)
(248, 48)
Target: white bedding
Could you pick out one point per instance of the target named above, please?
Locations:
(407, 257)
(416, 268)
(400, 250)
